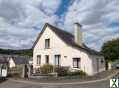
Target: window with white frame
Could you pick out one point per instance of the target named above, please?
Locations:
(47, 43)
(47, 59)
(57, 59)
(38, 59)
(76, 62)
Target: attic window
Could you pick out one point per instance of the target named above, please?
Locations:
(47, 43)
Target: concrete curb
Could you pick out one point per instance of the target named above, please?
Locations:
(69, 83)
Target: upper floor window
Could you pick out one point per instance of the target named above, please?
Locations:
(38, 59)
(47, 43)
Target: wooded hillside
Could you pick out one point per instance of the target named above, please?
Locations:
(26, 52)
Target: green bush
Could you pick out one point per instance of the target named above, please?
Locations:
(76, 73)
(62, 71)
(47, 68)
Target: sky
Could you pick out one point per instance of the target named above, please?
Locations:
(22, 20)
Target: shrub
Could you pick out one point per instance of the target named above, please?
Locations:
(76, 73)
(62, 71)
(47, 68)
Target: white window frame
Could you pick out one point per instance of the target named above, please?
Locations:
(47, 58)
(38, 59)
(57, 59)
(76, 62)
(47, 43)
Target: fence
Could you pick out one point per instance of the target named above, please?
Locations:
(15, 71)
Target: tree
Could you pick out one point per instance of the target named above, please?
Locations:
(110, 50)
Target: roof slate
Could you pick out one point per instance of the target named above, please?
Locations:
(20, 59)
(3, 59)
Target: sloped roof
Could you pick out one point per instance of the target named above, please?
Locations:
(67, 38)
(21, 59)
(3, 59)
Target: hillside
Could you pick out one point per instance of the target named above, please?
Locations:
(26, 52)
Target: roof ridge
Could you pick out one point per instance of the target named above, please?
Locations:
(59, 29)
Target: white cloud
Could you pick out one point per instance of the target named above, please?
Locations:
(18, 18)
(97, 18)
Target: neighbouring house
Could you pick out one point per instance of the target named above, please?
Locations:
(16, 61)
(58, 47)
(14, 65)
(19, 65)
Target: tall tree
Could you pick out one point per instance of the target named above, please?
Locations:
(110, 50)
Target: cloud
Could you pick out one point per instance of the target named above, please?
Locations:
(11, 11)
(99, 19)
(20, 18)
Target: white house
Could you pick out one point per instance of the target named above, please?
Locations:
(57, 47)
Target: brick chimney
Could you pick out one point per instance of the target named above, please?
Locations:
(78, 33)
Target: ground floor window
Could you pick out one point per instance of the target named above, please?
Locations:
(57, 59)
(47, 59)
(38, 59)
(102, 60)
(76, 62)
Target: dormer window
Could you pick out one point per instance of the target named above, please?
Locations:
(47, 43)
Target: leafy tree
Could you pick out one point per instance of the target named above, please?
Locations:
(110, 50)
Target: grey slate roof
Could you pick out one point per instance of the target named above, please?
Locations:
(67, 38)
(20, 59)
(3, 59)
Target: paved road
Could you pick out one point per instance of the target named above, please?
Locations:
(29, 84)
(13, 84)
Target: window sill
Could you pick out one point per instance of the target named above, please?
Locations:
(38, 65)
(76, 67)
(47, 48)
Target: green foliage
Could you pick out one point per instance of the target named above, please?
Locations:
(24, 52)
(77, 73)
(110, 50)
(62, 71)
(46, 68)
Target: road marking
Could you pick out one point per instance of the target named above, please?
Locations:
(70, 83)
